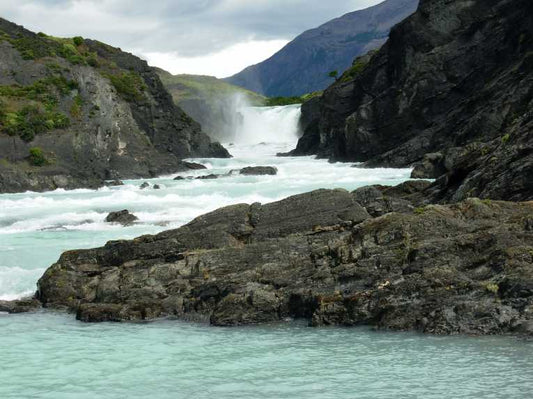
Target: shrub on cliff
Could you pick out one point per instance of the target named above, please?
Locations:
(32, 120)
(37, 157)
(78, 40)
(129, 85)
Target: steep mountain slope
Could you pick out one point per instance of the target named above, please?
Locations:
(74, 112)
(303, 65)
(451, 91)
(210, 101)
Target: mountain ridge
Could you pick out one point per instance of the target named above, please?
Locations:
(302, 66)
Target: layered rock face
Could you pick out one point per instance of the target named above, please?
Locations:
(92, 110)
(450, 92)
(329, 256)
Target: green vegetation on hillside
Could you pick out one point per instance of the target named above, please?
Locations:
(358, 66)
(128, 84)
(74, 50)
(194, 87)
(29, 110)
(279, 101)
(26, 111)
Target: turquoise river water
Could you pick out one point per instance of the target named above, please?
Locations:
(51, 355)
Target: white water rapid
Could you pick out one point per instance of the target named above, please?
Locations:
(35, 228)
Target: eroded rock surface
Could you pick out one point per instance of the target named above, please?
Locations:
(462, 268)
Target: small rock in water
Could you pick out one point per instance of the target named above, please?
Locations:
(19, 306)
(208, 177)
(144, 185)
(194, 166)
(179, 178)
(259, 170)
(157, 187)
(123, 217)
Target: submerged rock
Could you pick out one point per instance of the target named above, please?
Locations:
(259, 170)
(157, 187)
(114, 183)
(463, 268)
(144, 185)
(208, 177)
(123, 217)
(20, 305)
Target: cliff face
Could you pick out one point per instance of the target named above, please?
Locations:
(303, 65)
(92, 111)
(451, 91)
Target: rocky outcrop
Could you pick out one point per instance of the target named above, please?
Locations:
(123, 217)
(450, 92)
(93, 112)
(329, 256)
(259, 171)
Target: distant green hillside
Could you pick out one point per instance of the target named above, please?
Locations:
(187, 87)
(210, 101)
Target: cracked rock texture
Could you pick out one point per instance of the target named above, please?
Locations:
(329, 256)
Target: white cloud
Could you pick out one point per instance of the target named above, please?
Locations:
(215, 37)
(221, 64)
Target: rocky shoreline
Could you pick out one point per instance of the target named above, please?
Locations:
(376, 256)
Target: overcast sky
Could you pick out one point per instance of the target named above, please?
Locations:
(212, 37)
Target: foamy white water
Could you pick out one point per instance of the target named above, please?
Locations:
(35, 228)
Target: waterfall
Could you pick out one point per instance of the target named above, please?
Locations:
(268, 125)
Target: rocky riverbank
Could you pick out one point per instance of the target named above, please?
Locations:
(375, 257)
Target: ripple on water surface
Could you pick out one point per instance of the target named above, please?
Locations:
(53, 356)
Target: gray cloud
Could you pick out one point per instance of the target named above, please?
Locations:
(188, 27)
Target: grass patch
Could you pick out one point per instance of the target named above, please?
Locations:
(492, 287)
(506, 139)
(420, 210)
(77, 107)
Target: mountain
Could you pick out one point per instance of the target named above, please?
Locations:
(210, 101)
(74, 112)
(451, 93)
(303, 65)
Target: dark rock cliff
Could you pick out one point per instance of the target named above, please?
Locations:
(93, 112)
(303, 65)
(329, 256)
(450, 92)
